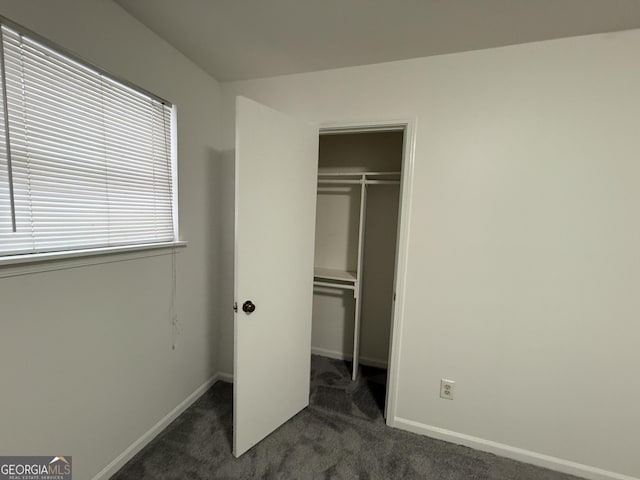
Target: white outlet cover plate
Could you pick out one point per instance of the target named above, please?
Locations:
(447, 389)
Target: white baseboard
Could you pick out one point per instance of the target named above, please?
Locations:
(141, 442)
(370, 362)
(526, 456)
(519, 454)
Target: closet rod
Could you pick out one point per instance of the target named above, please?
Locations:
(382, 182)
(342, 182)
(334, 285)
(359, 182)
(356, 174)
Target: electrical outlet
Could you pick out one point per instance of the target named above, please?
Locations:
(446, 389)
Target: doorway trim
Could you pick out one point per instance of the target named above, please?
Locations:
(408, 126)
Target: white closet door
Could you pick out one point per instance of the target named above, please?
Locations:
(276, 174)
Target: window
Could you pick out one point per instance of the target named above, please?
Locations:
(85, 160)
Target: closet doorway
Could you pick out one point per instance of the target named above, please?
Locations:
(358, 209)
(274, 276)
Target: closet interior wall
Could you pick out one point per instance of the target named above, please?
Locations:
(337, 220)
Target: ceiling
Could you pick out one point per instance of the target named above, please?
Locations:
(241, 39)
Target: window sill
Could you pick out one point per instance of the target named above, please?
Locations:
(43, 262)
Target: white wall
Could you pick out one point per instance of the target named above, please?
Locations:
(523, 250)
(85, 354)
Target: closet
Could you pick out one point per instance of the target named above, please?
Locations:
(355, 245)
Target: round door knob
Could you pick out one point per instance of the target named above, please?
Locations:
(248, 307)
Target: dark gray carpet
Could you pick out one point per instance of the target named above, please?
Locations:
(341, 435)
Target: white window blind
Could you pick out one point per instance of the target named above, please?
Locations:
(88, 163)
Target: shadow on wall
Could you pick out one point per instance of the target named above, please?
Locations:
(222, 202)
(213, 240)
